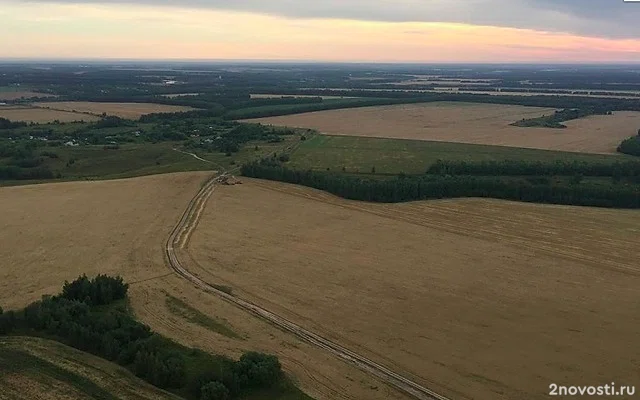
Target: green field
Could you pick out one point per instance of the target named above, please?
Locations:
(95, 162)
(393, 156)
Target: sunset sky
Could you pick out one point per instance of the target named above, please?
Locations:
(324, 30)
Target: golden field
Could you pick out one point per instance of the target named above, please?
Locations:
(11, 94)
(477, 299)
(469, 123)
(55, 232)
(122, 110)
(41, 115)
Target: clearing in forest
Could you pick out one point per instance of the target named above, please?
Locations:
(122, 110)
(469, 123)
(477, 298)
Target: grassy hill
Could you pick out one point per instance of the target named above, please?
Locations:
(34, 368)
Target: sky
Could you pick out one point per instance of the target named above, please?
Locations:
(429, 31)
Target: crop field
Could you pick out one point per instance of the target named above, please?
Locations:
(479, 299)
(33, 368)
(469, 123)
(55, 232)
(41, 115)
(122, 110)
(365, 155)
(17, 94)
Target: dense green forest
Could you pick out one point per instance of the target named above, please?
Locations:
(576, 189)
(631, 145)
(91, 315)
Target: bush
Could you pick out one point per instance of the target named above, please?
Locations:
(214, 391)
(630, 146)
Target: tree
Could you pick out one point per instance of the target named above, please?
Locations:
(214, 391)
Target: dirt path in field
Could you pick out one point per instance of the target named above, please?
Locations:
(178, 240)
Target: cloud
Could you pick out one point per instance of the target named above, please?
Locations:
(598, 18)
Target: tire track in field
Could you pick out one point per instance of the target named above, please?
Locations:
(178, 239)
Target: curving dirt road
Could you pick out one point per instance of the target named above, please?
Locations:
(178, 240)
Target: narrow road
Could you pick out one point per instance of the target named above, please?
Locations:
(179, 238)
(194, 155)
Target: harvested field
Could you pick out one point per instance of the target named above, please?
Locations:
(21, 94)
(122, 110)
(34, 368)
(55, 232)
(479, 299)
(469, 123)
(41, 115)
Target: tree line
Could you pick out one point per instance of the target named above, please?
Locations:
(89, 315)
(618, 169)
(556, 119)
(631, 145)
(403, 188)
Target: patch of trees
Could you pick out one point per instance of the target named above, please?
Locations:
(561, 102)
(232, 140)
(13, 173)
(212, 112)
(286, 109)
(111, 121)
(628, 169)
(631, 145)
(89, 315)
(98, 291)
(556, 119)
(408, 188)
(7, 124)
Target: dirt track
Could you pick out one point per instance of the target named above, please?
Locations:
(178, 239)
(479, 298)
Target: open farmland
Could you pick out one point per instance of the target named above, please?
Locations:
(34, 368)
(358, 154)
(469, 123)
(477, 299)
(11, 94)
(122, 110)
(55, 232)
(41, 115)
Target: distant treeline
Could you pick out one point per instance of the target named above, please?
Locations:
(89, 316)
(333, 104)
(627, 169)
(538, 189)
(561, 102)
(556, 119)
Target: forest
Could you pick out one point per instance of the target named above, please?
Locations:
(92, 315)
(577, 189)
(631, 145)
